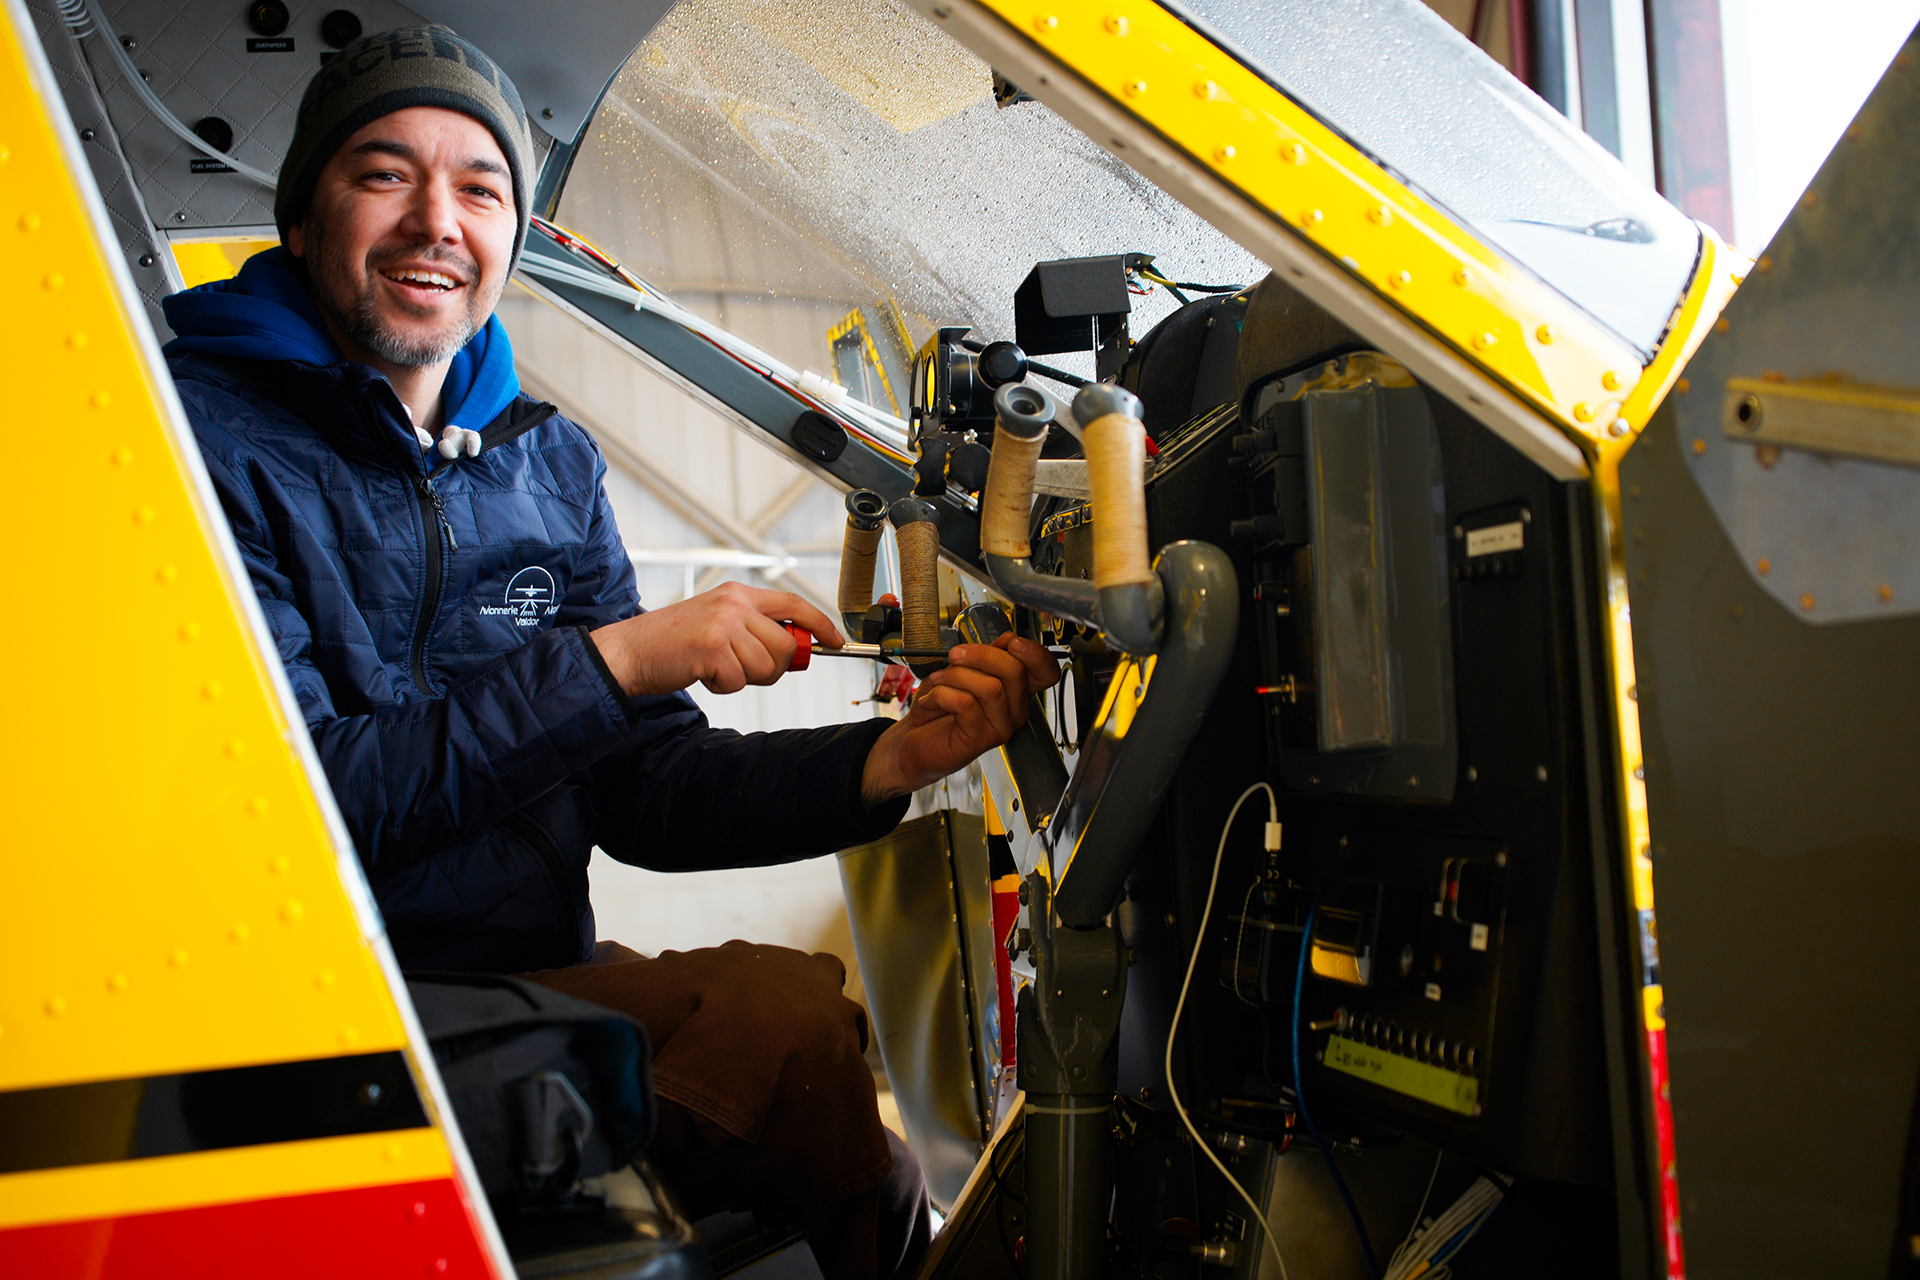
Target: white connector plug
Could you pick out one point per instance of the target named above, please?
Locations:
(826, 391)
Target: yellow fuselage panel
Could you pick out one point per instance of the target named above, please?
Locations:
(174, 900)
(1495, 315)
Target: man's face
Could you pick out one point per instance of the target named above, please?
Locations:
(408, 236)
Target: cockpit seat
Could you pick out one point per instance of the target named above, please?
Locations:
(629, 1227)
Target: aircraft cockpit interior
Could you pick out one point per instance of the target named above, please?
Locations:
(1473, 834)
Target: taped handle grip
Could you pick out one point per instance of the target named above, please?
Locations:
(865, 511)
(1116, 445)
(916, 528)
(1022, 415)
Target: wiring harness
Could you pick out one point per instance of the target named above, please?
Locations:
(1426, 1251)
(878, 430)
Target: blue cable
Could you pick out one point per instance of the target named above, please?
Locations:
(1300, 1097)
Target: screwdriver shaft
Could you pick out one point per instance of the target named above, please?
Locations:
(873, 652)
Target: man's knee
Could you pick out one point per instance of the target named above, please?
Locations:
(797, 1001)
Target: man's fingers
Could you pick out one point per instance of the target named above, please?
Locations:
(785, 606)
(765, 649)
(726, 675)
(965, 710)
(1009, 668)
(1001, 701)
(1043, 669)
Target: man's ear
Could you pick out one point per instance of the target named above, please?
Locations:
(297, 238)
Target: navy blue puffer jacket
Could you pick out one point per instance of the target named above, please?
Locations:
(432, 617)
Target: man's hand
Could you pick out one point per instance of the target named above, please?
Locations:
(726, 638)
(972, 705)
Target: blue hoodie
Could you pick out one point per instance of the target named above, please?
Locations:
(265, 313)
(433, 617)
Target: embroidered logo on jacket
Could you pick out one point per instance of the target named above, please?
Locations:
(529, 598)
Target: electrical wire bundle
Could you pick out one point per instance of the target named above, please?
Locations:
(1180, 288)
(85, 19)
(1426, 1251)
(882, 431)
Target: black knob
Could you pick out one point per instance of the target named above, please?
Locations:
(215, 132)
(1001, 363)
(267, 17)
(340, 28)
(967, 466)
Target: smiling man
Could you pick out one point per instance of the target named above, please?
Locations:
(449, 595)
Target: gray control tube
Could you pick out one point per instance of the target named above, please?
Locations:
(1022, 416)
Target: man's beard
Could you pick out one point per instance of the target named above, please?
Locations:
(358, 316)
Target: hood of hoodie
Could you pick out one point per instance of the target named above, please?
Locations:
(265, 313)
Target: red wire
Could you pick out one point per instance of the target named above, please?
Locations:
(570, 241)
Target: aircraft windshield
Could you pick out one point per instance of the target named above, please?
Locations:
(777, 167)
(774, 169)
(1422, 100)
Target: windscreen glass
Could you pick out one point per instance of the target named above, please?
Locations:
(1421, 99)
(778, 167)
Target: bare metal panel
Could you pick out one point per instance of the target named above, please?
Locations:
(922, 918)
(1829, 312)
(1781, 748)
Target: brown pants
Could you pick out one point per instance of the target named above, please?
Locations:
(765, 1096)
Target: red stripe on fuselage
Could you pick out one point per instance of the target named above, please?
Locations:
(419, 1230)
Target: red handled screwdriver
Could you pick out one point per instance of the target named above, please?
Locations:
(806, 646)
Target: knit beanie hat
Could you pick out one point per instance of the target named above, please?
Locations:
(390, 71)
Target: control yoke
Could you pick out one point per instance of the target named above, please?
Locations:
(1176, 619)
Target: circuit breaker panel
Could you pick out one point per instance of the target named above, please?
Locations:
(1414, 679)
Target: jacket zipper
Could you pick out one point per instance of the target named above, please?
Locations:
(433, 520)
(567, 917)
